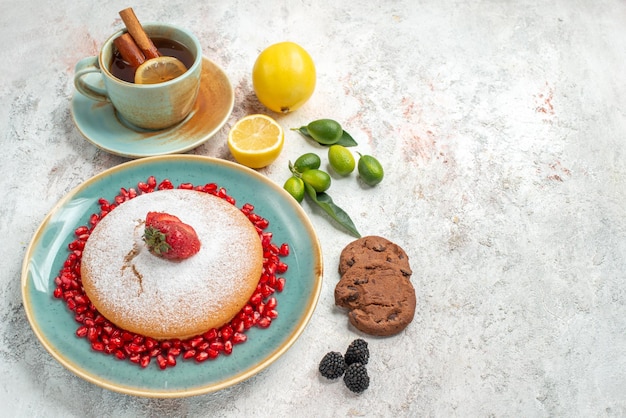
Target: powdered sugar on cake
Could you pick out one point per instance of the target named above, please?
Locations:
(172, 294)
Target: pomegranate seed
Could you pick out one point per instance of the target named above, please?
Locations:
(81, 230)
(161, 361)
(238, 325)
(216, 346)
(143, 187)
(135, 348)
(248, 309)
(212, 353)
(165, 185)
(150, 343)
(58, 293)
(228, 347)
(272, 314)
(281, 268)
(226, 332)
(171, 360)
(116, 341)
(71, 304)
(256, 298)
(248, 322)
(210, 334)
(92, 334)
(189, 354)
(201, 356)
(120, 354)
(264, 322)
(81, 309)
(280, 284)
(267, 290)
(271, 303)
(97, 346)
(81, 331)
(239, 338)
(284, 250)
(196, 341)
(210, 188)
(247, 208)
(145, 361)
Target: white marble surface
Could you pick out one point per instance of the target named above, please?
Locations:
(502, 128)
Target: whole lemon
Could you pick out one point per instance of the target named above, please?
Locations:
(284, 77)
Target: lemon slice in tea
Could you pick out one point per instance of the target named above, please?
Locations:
(159, 70)
(256, 141)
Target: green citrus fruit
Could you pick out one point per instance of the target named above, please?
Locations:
(318, 179)
(307, 161)
(341, 159)
(295, 187)
(370, 170)
(325, 131)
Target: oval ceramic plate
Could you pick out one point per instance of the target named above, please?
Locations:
(99, 123)
(54, 324)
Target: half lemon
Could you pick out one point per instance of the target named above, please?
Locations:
(159, 70)
(256, 141)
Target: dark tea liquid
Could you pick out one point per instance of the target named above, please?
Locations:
(167, 47)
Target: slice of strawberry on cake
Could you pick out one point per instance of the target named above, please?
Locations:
(168, 237)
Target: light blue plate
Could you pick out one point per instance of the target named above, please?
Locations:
(99, 123)
(54, 324)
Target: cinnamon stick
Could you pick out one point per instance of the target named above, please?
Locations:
(139, 35)
(129, 50)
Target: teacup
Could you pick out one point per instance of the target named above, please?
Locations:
(147, 106)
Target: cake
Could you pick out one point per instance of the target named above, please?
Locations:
(164, 299)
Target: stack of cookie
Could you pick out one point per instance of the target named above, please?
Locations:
(375, 286)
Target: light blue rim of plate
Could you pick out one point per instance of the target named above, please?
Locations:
(54, 325)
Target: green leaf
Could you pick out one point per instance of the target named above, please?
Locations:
(324, 201)
(346, 140)
(303, 130)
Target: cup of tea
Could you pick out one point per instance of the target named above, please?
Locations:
(107, 78)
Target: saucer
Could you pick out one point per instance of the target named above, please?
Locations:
(100, 124)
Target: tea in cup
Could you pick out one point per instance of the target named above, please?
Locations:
(108, 78)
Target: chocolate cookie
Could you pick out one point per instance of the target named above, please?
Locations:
(380, 298)
(374, 249)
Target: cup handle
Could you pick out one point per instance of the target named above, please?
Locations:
(92, 87)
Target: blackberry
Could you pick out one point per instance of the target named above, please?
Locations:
(356, 378)
(357, 352)
(332, 365)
